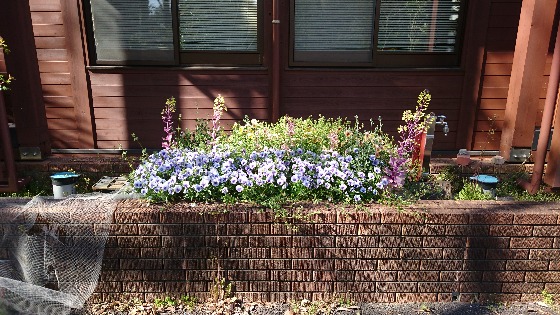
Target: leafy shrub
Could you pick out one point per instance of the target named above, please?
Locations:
(472, 191)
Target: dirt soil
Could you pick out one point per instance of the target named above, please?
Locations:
(237, 307)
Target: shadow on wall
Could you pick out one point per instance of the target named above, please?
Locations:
(130, 101)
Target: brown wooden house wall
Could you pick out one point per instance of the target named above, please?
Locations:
(500, 46)
(126, 100)
(373, 94)
(53, 57)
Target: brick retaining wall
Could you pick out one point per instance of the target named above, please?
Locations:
(479, 250)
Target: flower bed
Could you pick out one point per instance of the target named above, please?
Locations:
(291, 160)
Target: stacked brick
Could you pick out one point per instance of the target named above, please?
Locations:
(433, 251)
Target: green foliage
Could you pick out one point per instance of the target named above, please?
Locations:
(309, 134)
(547, 298)
(165, 302)
(508, 187)
(425, 308)
(5, 80)
(197, 139)
(3, 46)
(495, 307)
(290, 216)
(419, 119)
(345, 301)
(306, 307)
(472, 191)
(220, 289)
(39, 184)
(451, 173)
(423, 190)
(189, 301)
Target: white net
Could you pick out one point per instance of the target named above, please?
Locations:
(51, 252)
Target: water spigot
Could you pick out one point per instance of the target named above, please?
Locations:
(440, 120)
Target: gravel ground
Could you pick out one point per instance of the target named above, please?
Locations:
(236, 307)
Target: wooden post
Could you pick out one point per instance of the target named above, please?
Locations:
(475, 40)
(275, 107)
(552, 175)
(26, 93)
(75, 44)
(526, 83)
(7, 153)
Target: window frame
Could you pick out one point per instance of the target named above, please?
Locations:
(183, 58)
(385, 59)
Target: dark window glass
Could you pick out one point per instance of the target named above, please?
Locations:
(376, 33)
(126, 30)
(176, 32)
(330, 30)
(419, 26)
(210, 25)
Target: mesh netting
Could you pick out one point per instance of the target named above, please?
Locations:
(51, 252)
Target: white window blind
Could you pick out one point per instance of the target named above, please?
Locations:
(133, 30)
(211, 25)
(418, 25)
(333, 26)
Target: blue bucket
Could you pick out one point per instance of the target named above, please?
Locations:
(64, 184)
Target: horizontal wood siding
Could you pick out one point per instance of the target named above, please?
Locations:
(373, 94)
(500, 46)
(53, 57)
(130, 102)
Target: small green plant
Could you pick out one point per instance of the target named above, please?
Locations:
(344, 301)
(471, 191)
(548, 298)
(198, 139)
(424, 308)
(306, 307)
(158, 303)
(189, 301)
(490, 134)
(508, 187)
(289, 217)
(451, 173)
(221, 289)
(495, 307)
(165, 302)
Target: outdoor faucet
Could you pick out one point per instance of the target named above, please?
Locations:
(440, 120)
(436, 120)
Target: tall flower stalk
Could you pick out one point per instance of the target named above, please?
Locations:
(416, 123)
(219, 108)
(167, 118)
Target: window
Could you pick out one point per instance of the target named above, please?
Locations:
(172, 32)
(376, 33)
